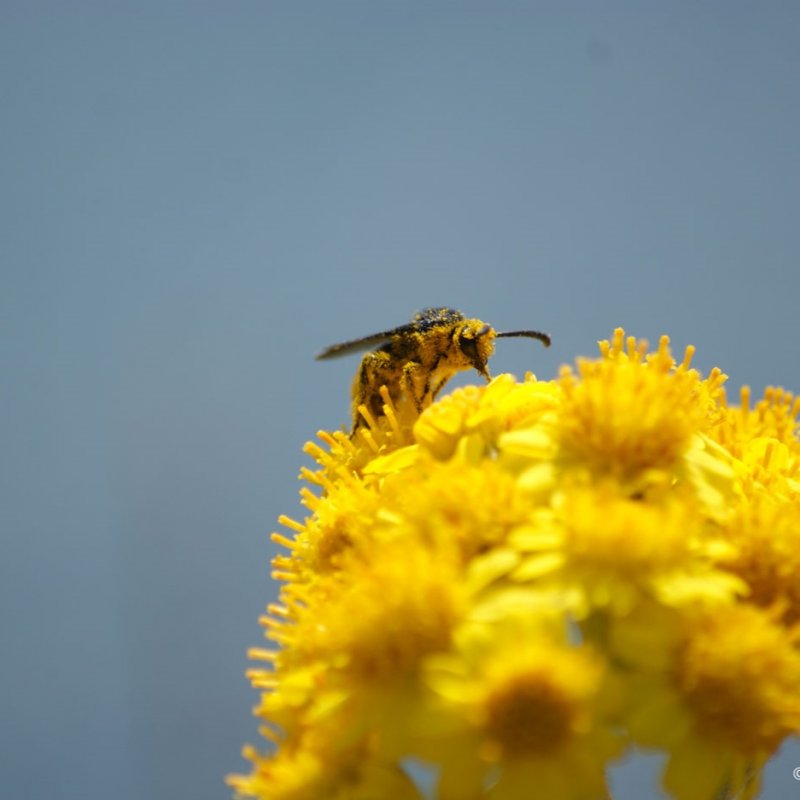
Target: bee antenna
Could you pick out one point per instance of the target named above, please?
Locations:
(544, 338)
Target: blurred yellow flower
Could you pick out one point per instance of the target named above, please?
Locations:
(717, 688)
(511, 589)
(515, 705)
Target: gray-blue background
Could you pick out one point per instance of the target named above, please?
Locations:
(196, 197)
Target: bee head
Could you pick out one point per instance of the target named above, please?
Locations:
(475, 341)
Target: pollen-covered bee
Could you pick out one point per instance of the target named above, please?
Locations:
(416, 360)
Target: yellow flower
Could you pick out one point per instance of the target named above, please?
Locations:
(607, 552)
(717, 688)
(444, 506)
(773, 417)
(340, 522)
(510, 587)
(515, 707)
(378, 623)
(308, 773)
(765, 553)
(482, 414)
(631, 411)
(763, 443)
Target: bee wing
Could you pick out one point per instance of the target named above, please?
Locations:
(364, 343)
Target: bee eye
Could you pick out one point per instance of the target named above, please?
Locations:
(468, 346)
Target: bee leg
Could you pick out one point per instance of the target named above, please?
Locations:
(415, 383)
(375, 371)
(439, 386)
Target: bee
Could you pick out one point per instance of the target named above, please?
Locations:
(416, 360)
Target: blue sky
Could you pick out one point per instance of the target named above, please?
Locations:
(197, 197)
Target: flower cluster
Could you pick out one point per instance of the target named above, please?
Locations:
(503, 596)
